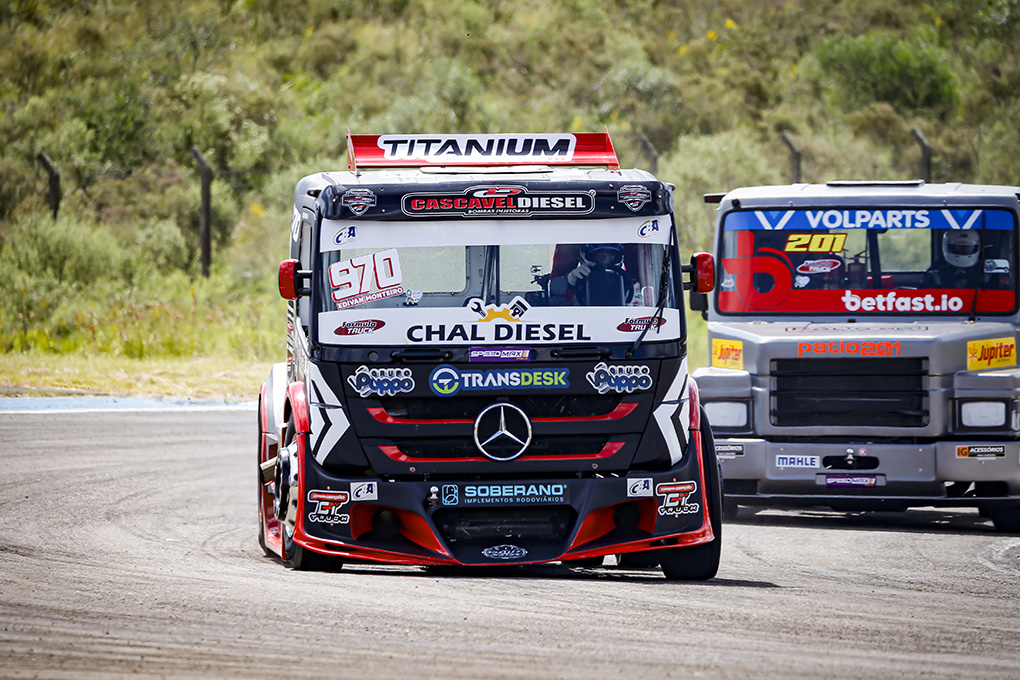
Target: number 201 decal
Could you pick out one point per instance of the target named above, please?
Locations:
(815, 243)
(352, 280)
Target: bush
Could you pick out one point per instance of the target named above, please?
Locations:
(908, 74)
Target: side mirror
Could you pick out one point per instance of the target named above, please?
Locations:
(702, 271)
(291, 279)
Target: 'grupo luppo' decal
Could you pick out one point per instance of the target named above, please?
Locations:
(366, 278)
(878, 261)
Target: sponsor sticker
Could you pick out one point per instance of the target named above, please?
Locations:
(326, 506)
(894, 301)
(358, 201)
(811, 220)
(605, 378)
(359, 327)
(385, 382)
(818, 266)
(727, 353)
(676, 498)
(352, 281)
(496, 354)
(504, 494)
(797, 461)
(648, 228)
(497, 200)
(851, 347)
(639, 487)
(634, 196)
(996, 353)
(345, 235)
(728, 450)
(364, 491)
(505, 552)
(851, 481)
(451, 149)
(447, 380)
(638, 324)
(981, 451)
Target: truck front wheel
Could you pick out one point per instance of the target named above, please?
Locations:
(1006, 518)
(700, 562)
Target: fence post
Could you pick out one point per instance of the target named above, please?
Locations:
(653, 155)
(205, 216)
(794, 158)
(925, 153)
(53, 192)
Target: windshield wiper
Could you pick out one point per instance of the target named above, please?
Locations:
(663, 293)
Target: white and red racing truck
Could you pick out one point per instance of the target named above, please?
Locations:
(486, 363)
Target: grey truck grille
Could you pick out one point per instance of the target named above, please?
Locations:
(849, 392)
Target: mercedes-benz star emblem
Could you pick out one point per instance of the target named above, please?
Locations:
(502, 432)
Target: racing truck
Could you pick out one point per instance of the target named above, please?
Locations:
(486, 364)
(863, 347)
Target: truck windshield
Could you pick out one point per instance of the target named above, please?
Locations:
(868, 261)
(543, 274)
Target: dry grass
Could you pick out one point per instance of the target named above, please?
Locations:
(39, 374)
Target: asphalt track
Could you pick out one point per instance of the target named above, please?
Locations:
(128, 549)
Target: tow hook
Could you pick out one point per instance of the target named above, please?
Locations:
(268, 469)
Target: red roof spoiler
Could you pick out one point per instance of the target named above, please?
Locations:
(415, 151)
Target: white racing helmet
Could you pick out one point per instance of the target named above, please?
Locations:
(961, 248)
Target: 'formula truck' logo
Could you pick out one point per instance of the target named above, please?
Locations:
(676, 498)
(638, 324)
(360, 327)
(326, 506)
(385, 382)
(605, 378)
(503, 201)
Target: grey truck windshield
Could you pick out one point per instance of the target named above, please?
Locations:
(868, 261)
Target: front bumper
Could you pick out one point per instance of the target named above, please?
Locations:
(957, 473)
(494, 521)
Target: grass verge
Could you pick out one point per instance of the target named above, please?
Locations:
(216, 378)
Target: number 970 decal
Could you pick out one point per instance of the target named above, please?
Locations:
(353, 280)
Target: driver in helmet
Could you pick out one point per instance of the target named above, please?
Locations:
(600, 278)
(961, 251)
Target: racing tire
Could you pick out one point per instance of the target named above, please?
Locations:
(262, 493)
(1006, 518)
(700, 562)
(294, 555)
(300, 558)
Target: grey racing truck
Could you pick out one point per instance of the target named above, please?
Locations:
(486, 364)
(863, 346)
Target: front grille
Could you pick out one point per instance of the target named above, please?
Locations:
(849, 392)
(548, 523)
(467, 408)
(455, 448)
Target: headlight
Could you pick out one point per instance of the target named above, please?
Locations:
(983, 413)
(726, 414)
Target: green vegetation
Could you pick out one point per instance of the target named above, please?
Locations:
(117, 94)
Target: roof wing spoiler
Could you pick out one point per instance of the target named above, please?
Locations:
(414, 151)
